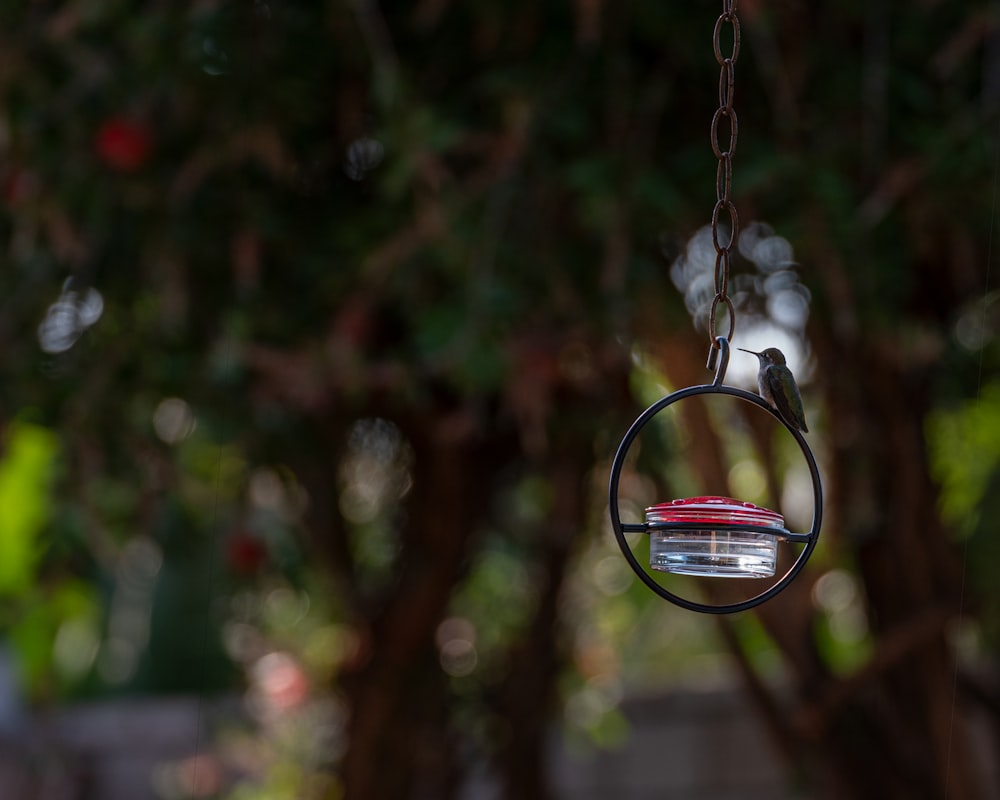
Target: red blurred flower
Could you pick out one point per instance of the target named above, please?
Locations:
(245, 553)
(123, 144)
(282, 681)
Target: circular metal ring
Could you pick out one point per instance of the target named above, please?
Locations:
(813, 536)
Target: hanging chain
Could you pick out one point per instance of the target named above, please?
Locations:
(724, 175)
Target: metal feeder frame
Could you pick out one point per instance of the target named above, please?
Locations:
(810, 539)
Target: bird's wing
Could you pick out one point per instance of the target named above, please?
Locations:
(786, 396)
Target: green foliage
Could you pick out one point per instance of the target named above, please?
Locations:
(26, 472)
(500, 597)
(55, 633)
(965, 448)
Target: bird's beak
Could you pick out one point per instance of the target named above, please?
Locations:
(751, 352)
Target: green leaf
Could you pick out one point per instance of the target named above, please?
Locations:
(25, 483)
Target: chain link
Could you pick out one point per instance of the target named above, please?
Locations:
(723, 138)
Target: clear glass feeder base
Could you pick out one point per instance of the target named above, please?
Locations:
(718, 554)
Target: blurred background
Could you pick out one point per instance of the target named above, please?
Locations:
(320, 324)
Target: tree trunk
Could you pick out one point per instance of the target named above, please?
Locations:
(400, 745)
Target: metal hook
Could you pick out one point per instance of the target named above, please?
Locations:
(719, 347)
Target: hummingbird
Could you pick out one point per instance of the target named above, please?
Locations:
(777, 386)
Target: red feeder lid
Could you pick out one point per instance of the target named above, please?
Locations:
(715, 511)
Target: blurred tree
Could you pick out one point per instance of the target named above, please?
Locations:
(350, 294)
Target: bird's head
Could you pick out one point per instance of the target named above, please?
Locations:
(768, 356)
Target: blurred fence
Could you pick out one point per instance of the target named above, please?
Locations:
(689, 745)
(685, 746)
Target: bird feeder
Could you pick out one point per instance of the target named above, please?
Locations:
(717, 537)
(714, 537)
